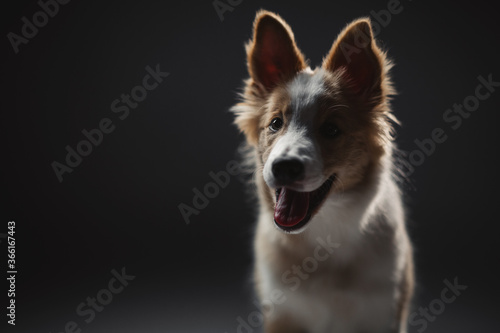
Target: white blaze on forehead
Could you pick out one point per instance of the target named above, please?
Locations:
(304, 92)
(299, 141)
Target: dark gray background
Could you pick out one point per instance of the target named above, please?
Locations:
(119, 208)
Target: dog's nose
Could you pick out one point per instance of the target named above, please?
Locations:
(287, 171)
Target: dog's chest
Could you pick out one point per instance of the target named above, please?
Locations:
(337, 282)
(329, 294)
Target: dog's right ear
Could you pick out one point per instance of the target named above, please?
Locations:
(272, 54)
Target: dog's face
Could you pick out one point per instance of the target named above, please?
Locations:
(316, 132)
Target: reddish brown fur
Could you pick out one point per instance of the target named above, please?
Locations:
(367, 123)
(256, 93)
(365, 135)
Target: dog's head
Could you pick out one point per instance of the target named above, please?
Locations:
(316, 132)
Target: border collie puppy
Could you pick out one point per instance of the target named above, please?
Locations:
(332, 252)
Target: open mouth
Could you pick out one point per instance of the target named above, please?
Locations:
(294, 209)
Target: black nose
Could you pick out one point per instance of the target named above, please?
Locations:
(287, 171)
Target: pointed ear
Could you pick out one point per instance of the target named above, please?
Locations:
(356, 52)
(272, 54)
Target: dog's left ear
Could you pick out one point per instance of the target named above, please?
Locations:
(272, 54)
(356, 52)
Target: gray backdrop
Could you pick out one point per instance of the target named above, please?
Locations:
(118, 208)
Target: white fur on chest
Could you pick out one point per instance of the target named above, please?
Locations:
(318, 303)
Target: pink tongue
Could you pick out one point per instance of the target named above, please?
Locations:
(291, 207)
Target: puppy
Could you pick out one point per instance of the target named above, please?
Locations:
(331, 249)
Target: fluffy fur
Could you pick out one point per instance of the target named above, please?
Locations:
(366, 284)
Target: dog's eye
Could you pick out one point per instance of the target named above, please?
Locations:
(330, 130)
(276, 124)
